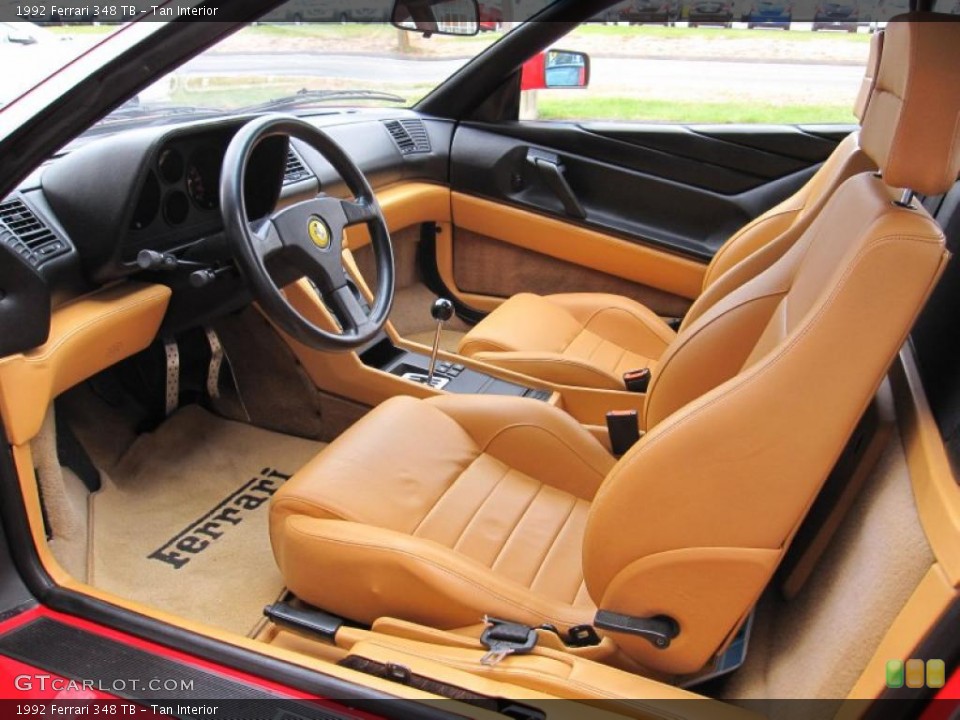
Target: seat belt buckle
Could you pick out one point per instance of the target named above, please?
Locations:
(637, 380)
(502, 638)
(623, 427)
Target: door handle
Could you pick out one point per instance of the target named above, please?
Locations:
(551, 171)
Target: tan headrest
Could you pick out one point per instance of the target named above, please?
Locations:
(911, 129)
(869, 76)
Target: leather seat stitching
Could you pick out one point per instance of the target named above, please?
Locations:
(521, 426)
(443, 569)
(543, 560)
(744, 379)
(727, 247)
(562, 361)
(630, 314)
(283, 502)
(449, 487)
(502, 669)
(498, 347)
(517, 524)
(689, 337)
(476, 512)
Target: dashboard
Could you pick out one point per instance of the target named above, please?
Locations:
(83, 218)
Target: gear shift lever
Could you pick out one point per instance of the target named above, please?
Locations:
(441, 310)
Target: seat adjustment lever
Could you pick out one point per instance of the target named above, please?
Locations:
(304, 620)
(659, 630)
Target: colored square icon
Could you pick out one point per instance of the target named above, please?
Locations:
(915, 673)
(936, 673)
(894, 673)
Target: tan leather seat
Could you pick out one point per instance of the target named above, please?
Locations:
(443, 510)
(592, 339)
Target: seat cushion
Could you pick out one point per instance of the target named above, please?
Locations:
(442, 511)
(581, 339)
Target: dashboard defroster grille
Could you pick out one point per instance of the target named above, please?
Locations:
(28, 234)
(295, 170)
(410, 135)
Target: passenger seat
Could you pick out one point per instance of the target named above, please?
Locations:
(592, 339)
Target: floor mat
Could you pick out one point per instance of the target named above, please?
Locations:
(181, 522)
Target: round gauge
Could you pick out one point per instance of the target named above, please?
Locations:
(203, 179)
(176, 207)
(170, 166)
(148, 204)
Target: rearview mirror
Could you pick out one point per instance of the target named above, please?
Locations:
(566, 69)
(19, 38)
(437, 17)
(556, 69)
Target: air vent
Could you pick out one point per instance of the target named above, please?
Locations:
(409, 135)
(295, 170)
(29, 236)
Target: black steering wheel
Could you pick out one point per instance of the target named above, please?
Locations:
(308, 237)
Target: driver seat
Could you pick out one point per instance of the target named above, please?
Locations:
(444, 510)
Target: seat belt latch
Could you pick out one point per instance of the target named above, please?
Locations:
(624, 429)
(502, 638)
(637, 380)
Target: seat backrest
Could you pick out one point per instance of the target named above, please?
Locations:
(753, 403)
(761, 242)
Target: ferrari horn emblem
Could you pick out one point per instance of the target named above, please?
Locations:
(319, 233)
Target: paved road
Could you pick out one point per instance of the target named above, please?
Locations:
(658, 76)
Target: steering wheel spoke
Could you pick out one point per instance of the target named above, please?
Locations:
(358, 211)
(266, 239)
(310, 236)
(347, 310)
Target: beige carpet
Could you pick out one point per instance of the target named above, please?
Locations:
(181, 522)
(816, 645)
(448, 341)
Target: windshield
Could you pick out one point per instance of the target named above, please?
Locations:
(303, 55)
(316, 55)
(351, 64)
(39, 51)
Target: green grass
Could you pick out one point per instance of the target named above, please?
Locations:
(620, 108)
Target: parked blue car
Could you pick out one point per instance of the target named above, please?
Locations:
(770, 13)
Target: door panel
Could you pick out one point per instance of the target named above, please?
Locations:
(483, 265)
(662, 191)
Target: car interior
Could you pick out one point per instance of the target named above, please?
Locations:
(613, 412)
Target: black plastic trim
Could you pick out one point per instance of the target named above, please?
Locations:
(430, 275)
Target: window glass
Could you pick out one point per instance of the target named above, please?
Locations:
(709, 66)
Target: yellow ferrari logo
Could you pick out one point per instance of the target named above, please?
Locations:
(317, 229)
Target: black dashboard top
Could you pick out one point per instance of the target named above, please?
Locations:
(81, 219)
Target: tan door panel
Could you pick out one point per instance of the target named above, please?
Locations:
(498, 250)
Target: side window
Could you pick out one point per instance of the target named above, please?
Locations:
(705, 61)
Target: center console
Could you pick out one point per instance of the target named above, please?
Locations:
(383, 355)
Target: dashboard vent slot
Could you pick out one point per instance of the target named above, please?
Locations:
(295, 170)
(29, 235)
(410, 136)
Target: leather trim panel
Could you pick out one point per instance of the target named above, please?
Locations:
(86, 336)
